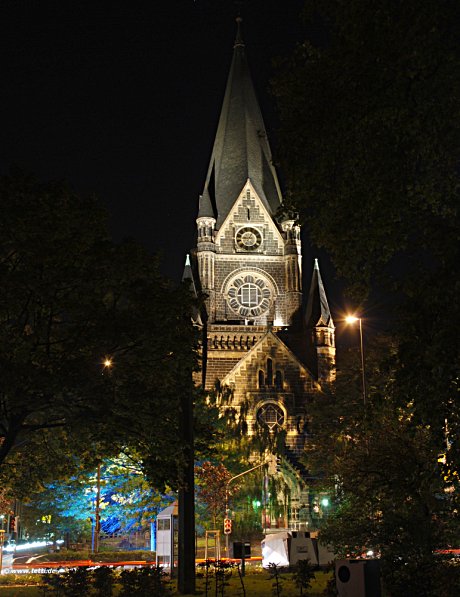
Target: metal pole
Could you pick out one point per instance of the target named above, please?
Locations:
(226, 496)
(227, 553)
(2, 536)
(97, 522)
(186, 531)
(362, 360)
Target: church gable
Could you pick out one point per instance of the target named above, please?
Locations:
(269, 368)
(275, 387)
(249, 228)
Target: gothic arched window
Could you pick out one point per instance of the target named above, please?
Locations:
(278, 380)
(269, 372)
(261, 379)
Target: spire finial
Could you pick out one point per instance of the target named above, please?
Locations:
(316, 266)
(187, 260)
(239, 36)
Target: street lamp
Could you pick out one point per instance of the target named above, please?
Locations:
(351, 319)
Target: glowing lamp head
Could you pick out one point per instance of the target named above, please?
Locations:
(108, 362)
(351, 319)
(325, 502)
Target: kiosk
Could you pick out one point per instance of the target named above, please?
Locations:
(167, 525)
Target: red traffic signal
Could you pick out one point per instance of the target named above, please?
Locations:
(227, 526)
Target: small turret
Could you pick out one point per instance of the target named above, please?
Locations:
(321, 328)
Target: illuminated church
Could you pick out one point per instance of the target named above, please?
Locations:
(269, 343)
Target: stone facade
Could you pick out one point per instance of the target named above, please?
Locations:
(248, 264)
(276, 261)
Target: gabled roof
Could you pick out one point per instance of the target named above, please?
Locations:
(241, 148)
(228, 219)
(317, 312)
(270, 336)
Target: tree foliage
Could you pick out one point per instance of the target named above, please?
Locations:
(391, 490)
(369, 142)
(127, 502)
(213, 489)
(370, 132)
(69, 298)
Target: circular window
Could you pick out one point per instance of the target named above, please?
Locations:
(270, 415)
(248, 239)
(249, 296)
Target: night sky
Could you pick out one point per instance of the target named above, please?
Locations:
(122, 100)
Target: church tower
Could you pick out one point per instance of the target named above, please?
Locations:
(248, 264)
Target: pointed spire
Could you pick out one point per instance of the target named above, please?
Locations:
(241, 149)
(317, 312)
(239, 33)
(187, 276)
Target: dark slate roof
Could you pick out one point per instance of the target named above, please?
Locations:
(317, 312)
(205, 209)
(241, 148)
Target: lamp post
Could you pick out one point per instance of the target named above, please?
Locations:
(2, 538)
(351, 319)
(107, 366)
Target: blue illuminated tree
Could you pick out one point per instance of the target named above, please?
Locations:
(127, 502)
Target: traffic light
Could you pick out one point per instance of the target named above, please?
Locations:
(227, 526)
(278, 464)
(12, 527)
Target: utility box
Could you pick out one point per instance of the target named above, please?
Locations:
(167, 528)
(287, 548)
(358, 578)
(301, 547)
(241, 550)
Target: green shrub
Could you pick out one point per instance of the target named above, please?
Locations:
(65, 555)
(77, 582)
(144, 582)
(123, 556)
(304, 573)
(104, 556)
(103, 581)
(19, 579)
